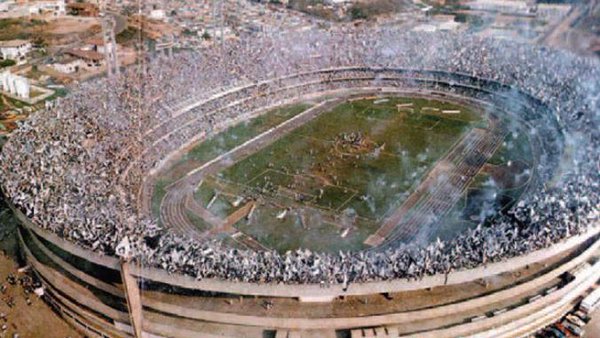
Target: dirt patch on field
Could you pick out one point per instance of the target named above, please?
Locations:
(53, 32)
(23, 312)
(70, 25)
(508, 176)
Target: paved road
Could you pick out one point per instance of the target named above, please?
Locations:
(592, 329)
(120, 22)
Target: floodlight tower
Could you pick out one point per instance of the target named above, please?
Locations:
(217, 19)
(108, 36)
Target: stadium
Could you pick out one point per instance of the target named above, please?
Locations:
(364, 183)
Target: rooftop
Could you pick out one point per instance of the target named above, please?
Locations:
(87, 55)
(13, 43)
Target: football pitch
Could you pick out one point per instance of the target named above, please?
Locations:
(329, 183)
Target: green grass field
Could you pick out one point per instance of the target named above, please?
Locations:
(306, 160)
(218, 144)
(308, 173)
(496, 190)
(323, 187)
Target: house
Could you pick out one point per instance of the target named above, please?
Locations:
(14, 84)
(83, 9)
(95, 45)
(6, 6)
(15, 50)
(56, 8)
(90, 59)
(69, 65)
(157, 14)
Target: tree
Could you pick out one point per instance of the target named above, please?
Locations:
(7, 63)
(206, 36)
(39, 42)
(357, 13)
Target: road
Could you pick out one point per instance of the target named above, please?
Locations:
(593, 327)
(120, 22)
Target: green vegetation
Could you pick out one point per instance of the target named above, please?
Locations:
(6, 23)
(159, 192)
(189, 32)
(406, 143)
(306, 171)
(357, 13)
(7, 63)
(223, 142)
(369, 9)
(475, 22)
(39, 42)
(516, 147)
(358, 10)
(200, 223)
(18, 28)
(127, 35)
(312, 184)
(16, 103)
(58, 92)
(497, 187)
(242, 132)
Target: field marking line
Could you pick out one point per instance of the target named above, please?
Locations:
(417, 182)
(287, 121)
(256, 177)
(259, 137)
(315, 138)
(433, 126)
(429, 203)
(346, 201)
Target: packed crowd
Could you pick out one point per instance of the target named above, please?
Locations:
(76, 169)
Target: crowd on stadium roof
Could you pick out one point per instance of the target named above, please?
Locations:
(76, 169)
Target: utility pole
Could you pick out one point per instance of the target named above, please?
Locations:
(110, 44)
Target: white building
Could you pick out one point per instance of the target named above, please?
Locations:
(158, 14)
(552, 11)
(5, 6)
(55, 7)
(14, 9)
(14, 84)
(15, 50)
(69, 66)
(515, 7)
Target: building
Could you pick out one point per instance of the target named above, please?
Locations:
(19, 9)
(157, 14)
(55, 8)
(83, 9)
(5, 6)
(15, 50)
(69, 65)
(95, 45)
(513, 7)
(14, 84)
(90, 59)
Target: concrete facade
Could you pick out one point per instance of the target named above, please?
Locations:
(15, 50)
(90, 288)
(15, 84)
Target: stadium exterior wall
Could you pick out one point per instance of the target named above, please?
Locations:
(87, 289)
(77, 291)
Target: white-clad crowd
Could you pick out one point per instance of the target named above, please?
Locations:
(77, 169)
